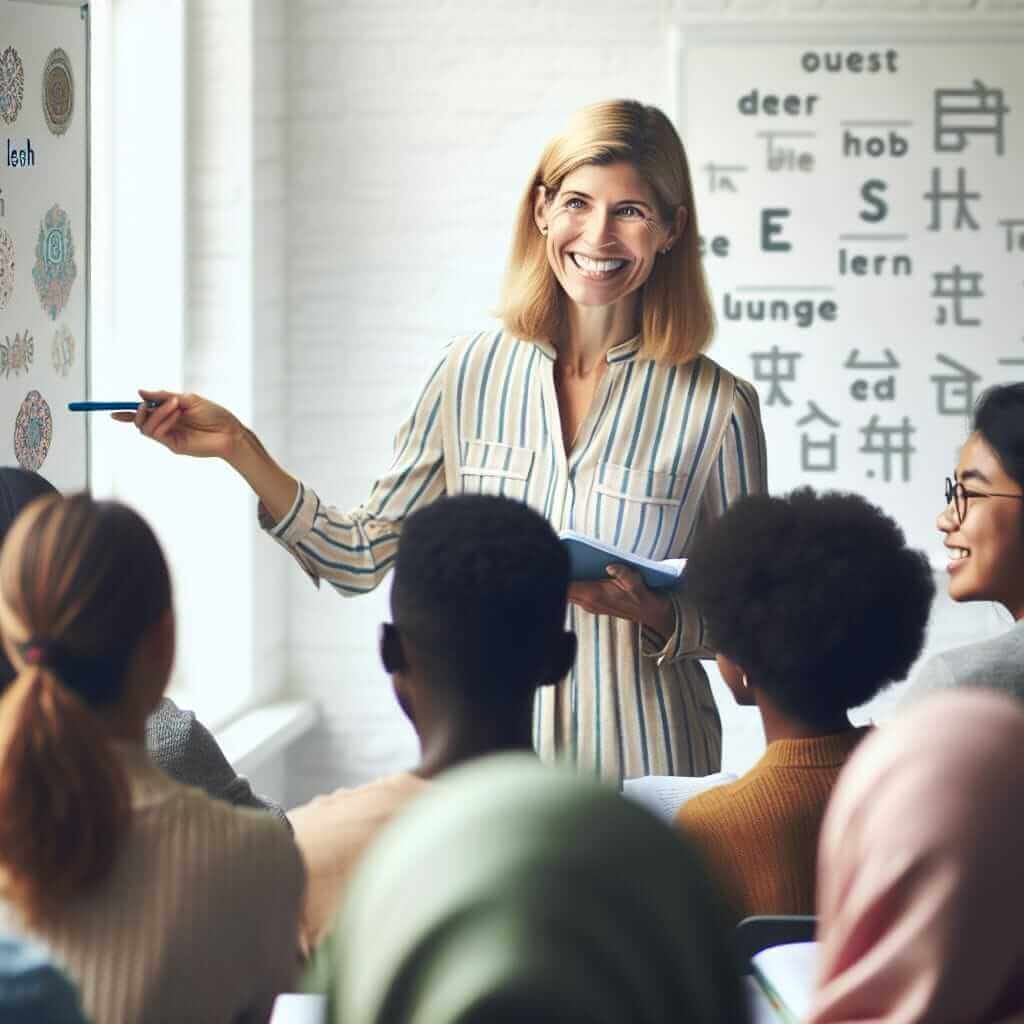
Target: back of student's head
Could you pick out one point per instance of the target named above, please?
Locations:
(817, 597)
(514, 891)
(81, 583)
(480, 593)
(919, 899)
(17, 488)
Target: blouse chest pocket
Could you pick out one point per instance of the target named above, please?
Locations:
(636, 509)
(490, 467)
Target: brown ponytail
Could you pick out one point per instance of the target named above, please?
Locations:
(60, 831)
(80, 582)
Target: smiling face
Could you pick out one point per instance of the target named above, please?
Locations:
(604, 232)
(987, 548)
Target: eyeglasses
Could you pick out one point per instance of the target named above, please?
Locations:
(957, 495)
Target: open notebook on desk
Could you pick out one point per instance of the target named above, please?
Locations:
(663, 795)
(589, 560)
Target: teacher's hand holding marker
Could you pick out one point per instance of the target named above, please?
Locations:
(593, 404)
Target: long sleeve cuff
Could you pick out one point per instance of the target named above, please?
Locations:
(687, 639)
(293, 526)
(654, 644)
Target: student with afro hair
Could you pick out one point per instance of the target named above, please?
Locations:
(814, 603)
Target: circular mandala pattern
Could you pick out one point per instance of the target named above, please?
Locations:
(54, 271)
(6, 268)
(63, 351)
(17, 355)
(58, 92)
(33, 432)
(12, 84)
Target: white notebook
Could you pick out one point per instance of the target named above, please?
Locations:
(663, 795)
(760, 1006)
(294, 1008)
(787, 974)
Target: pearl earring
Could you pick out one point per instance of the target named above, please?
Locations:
(544, 231)
(746, 685)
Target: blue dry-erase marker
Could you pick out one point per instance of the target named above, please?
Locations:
(109, 406)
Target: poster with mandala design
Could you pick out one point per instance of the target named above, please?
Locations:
(58, 92)
(6, 268)
(44, 238)
(12, 84)
(16, 354)
(63, 350)
(33, 432)
(54, 272)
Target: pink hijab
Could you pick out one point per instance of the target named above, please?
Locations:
(921, 870)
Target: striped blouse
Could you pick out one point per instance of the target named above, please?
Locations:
(663, 449)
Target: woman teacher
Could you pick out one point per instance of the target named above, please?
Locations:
(595, 406)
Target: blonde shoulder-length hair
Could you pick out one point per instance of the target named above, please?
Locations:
(677, 320)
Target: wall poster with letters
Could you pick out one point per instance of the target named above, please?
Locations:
(862, 222)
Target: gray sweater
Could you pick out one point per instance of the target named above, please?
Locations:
(183, 748)
(996, 663)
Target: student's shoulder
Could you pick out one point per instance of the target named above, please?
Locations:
(169, 729)
(993, 651)
(227, 857)
(376, 799)
(997, 661)
(734, 807)
(708, 808)
(232, 832)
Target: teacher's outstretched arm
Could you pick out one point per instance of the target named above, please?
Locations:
(352, 550)
(193, 425)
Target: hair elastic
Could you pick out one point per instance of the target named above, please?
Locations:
(39, 652)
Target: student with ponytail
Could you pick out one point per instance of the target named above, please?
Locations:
(162, 903)
(176, 740)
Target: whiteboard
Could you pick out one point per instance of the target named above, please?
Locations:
(44, 239)
(860, 201)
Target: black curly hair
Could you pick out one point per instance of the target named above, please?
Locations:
(999, 418)
(817, 597)
(480, 590)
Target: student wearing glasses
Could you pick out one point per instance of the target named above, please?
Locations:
(983, 525)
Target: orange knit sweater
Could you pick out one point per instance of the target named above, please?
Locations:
(759, 834)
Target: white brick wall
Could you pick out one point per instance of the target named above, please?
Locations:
(739, 9)
(236, 350)
(218, 349)
(271, 566)
(412, 128)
